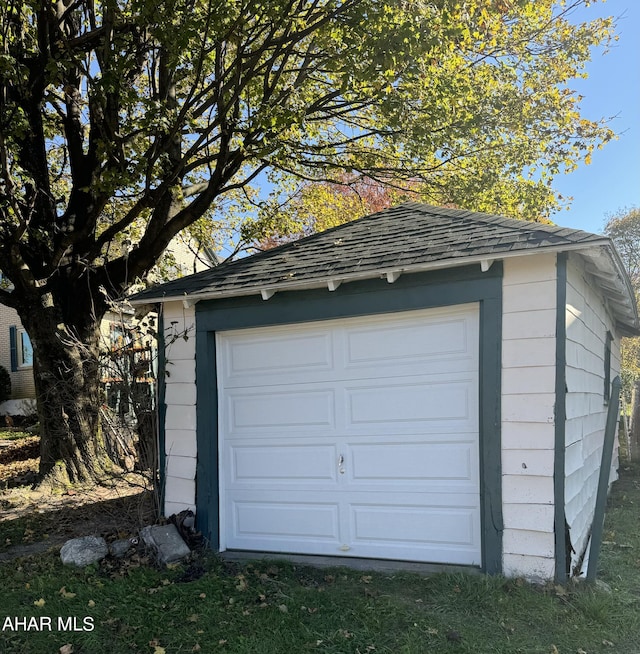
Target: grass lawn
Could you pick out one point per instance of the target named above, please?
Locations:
(211, 606)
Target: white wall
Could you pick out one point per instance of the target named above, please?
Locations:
(180, 401)
(22, 384)
(528, 399)
(587, 326)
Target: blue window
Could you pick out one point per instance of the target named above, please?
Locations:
(21, 349)
(26, 349)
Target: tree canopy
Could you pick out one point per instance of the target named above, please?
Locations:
(123, 122)
(623, 228)
(134, 117)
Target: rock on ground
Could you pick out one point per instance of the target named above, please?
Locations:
(84, 551)
(166, 542)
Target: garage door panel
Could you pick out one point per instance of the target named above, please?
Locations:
(444, 466)
(415, 342)
(292, 465)
(415, 401)
(275, 520)
(416, 532)
(253, 359)
(264, 411)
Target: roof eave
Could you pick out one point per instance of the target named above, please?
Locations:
(328, 281)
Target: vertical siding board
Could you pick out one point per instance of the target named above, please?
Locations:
(178, 406)
(528, 387)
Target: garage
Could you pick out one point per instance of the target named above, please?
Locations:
(355, 437)
(426, 385)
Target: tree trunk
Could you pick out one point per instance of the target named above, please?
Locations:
(66, 375)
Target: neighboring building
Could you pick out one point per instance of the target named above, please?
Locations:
(16, 354)
(422, 384)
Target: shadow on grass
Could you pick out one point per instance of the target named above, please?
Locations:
(108, 512)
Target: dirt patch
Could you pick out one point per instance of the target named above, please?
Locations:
(115, 509)
(19, 461)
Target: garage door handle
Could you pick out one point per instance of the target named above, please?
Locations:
(340, 462)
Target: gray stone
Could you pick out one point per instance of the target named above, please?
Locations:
(166, 542)
(119, 548)
(84, 551)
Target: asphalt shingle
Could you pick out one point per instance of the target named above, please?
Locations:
(399, 238)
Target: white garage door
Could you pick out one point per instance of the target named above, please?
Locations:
(353, 437)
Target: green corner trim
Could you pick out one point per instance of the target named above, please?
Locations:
(368, 297)
(563, 560)
(162, 408)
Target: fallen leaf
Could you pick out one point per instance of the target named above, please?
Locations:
(194, 617)
(608, 643)
(39, 602)
(202, 595)
(283, 608)
(196, 648)
(366, 579)
(66, 649)
(91, 604)
(554, 650)
(65, 594)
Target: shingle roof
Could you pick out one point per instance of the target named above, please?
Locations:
(406, 238)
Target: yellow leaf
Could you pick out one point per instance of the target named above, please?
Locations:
(66, 649)
(91, 604)
(39, 602)
(65, 594)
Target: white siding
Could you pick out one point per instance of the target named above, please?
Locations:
(22, 384)
(587, 326)
(528, 398)
(180, 401)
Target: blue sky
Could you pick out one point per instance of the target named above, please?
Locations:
(612, 181)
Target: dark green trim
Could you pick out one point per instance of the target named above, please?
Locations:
(162, 407)
(490, 432)
(418, 291)
(207, 467)
(13, 347)
(607, 367)
(603, 480)
(563, 560)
